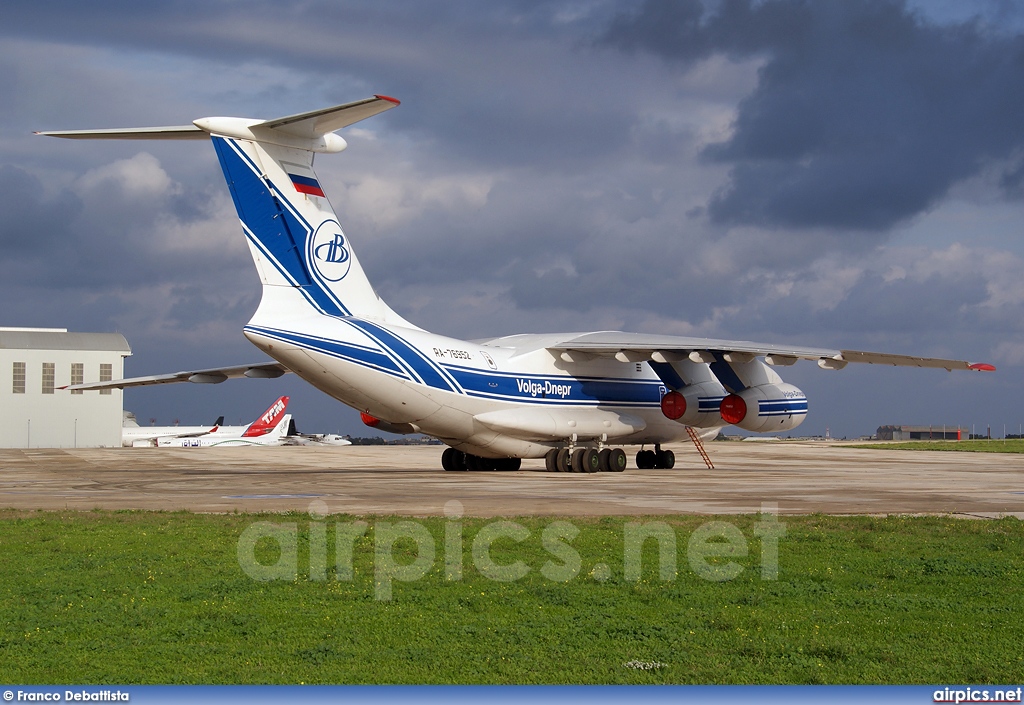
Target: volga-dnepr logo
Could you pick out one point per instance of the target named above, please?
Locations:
(328, 252)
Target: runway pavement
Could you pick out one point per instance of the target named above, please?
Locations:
(800, 478)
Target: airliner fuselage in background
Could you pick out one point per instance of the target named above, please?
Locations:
(260, 432)
(572, 398)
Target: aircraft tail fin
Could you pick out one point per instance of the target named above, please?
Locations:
(269, 420)
(293, 233)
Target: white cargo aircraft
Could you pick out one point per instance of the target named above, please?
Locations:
(188, 436)
(570, 398)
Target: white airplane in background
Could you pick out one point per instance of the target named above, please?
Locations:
(163, 436)
(294, 438)
(270, 429)
(568, 398)
(134, 435)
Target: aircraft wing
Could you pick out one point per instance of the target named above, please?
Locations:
(638, 347)
(216, 375)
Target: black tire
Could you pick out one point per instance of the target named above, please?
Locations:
(577, 459)
(551, 460)
(646, 460)
(508, 464)
(563, 463)
(617, 460)
(458, 460)
(590, 461)
(666, 460)
(448, 459)
(604, 456)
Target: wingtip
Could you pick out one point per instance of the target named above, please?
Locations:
(982, 367)
(388, 99)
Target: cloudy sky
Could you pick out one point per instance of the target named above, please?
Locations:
(842, 174)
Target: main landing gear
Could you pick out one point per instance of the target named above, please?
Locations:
(585, 460)
(656, 459)
(457, 461)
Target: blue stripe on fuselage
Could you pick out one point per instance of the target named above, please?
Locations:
(428, 372)
(557, 389)
(359, 354)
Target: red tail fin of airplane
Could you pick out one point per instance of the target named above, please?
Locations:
(270, 418)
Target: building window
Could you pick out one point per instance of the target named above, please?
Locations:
(19, 378)
(48, 368)
(77, 375)
(106, 374)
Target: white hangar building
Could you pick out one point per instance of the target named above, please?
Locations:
(35, 412)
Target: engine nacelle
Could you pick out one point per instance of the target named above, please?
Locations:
(695, 405)
(765, 408)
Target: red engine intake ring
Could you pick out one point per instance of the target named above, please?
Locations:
(673, 405)
(368, 420)
(733, 409)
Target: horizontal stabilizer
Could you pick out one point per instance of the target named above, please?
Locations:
(261, 370)
(301, 131)
(321, 122)
(177, 132)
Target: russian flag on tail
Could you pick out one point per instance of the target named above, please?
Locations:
(307, 185)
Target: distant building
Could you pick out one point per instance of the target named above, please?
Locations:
(35, 412)
(921, 433)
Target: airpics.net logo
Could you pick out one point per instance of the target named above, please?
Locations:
(328, 252)
(711, 550)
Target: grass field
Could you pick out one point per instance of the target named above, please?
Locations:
(139, 597)
(1012, 445)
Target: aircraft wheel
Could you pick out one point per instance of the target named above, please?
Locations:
(508, 464)
(646, 459)
(456, 460)
(666, 460)
(577, 460)
(563, 461)
(617, 460)
(474, 463)
(604, 455)
(551, 460)
(590, 461)
(448, 459)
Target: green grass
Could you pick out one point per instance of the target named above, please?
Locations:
(140, 597)
(1013, 445)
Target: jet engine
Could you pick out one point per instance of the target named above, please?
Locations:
(694, 405)
(765, 408)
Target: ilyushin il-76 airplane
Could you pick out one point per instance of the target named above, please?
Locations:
(573, 399)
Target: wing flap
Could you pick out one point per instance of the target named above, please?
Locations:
(216, 375)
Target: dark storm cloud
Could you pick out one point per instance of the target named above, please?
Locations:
(33, 222)
(488, 81)
(864, 114)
